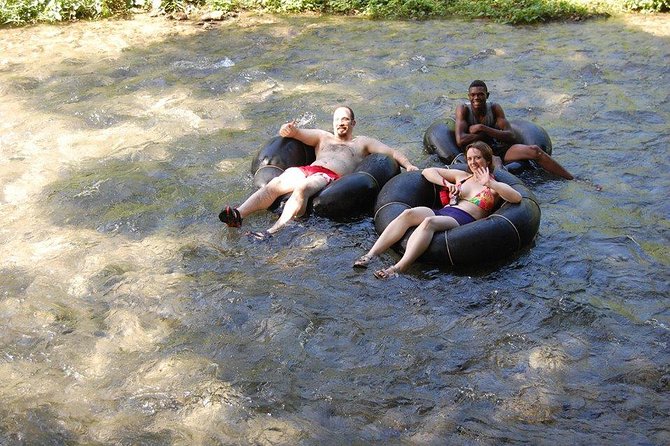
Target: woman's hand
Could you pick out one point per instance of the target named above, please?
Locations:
(452, 188)
(504, 190)
(482, 176)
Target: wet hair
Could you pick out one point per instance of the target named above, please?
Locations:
(486, 151)
(351, 112)
(478, 83)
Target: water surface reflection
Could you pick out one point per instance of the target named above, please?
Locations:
(132, 316)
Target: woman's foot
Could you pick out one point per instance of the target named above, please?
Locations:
(363, 261)
(231, 217)
(388, 273)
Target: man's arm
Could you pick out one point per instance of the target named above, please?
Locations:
(463, 135)
(374, 146)
(311, 137)
(502, 130)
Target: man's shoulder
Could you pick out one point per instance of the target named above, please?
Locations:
(314, 137)
(361, 139)
(324, 136)
(462, 108)
(495, 106)
(367, 142)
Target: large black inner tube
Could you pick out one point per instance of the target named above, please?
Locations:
(440, 139)
(530, 134)
(509, 229)
(277, 155)
(353, 196)
(349, 197)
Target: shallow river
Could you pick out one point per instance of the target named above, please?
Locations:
(131, 315)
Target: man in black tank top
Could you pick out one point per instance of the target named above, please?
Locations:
(485, 121)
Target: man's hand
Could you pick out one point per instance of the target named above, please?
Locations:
(411, 167)
(288, 130)
(476, 128)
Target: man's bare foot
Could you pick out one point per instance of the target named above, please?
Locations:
(231, 217)
(259, 235)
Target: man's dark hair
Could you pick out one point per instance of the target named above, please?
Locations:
(478, 83)
(351, 112)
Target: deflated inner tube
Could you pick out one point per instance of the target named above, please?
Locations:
(354, 195)
(349, 197)
(277, 155)
(497, 237)
(440, 139)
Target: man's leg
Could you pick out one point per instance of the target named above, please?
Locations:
(266, 195)
(296, 205)
(520, 152)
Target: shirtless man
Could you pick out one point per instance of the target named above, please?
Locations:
(337, 154)
(485, 121)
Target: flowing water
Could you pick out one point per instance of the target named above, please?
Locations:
(131, 315)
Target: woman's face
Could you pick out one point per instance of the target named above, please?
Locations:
(475, 159)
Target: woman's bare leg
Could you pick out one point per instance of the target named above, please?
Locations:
(397, 229)
(420, 239)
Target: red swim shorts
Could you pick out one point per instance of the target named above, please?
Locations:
(318, 170)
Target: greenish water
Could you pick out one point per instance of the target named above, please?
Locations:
(131, 316)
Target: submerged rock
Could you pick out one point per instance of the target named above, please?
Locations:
(214, 16)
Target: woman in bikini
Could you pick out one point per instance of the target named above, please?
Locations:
(477, 194)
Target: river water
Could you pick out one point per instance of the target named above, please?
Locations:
(131, 315)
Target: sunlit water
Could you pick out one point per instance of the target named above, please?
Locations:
(130, 315)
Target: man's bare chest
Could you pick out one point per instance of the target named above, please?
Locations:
(338, 150)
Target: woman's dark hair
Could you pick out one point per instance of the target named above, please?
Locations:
(486, 151)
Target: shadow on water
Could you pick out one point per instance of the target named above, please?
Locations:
(176, 330)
